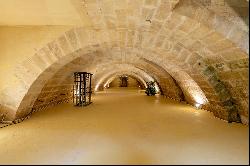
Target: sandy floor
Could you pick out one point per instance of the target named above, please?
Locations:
(124, 127)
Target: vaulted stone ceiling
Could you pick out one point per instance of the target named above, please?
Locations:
(196, 50)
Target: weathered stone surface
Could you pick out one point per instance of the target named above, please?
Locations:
(189, 48)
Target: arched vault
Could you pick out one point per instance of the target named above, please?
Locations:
(182, 44)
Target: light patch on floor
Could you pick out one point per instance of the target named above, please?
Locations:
(124, 126)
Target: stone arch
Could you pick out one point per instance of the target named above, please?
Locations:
(134, 76)
(102, 78)
(29, 99)
(70, 46)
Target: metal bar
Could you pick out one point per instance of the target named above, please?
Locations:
(90, 91)
(82, 88)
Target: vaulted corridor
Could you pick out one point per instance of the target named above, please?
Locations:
(124, 126)
(193, 54)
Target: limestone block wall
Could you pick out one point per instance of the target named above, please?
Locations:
(131, 82)
(18, 43)
(51, 96)
(141, 82)
(21, 42)
(182, 43)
